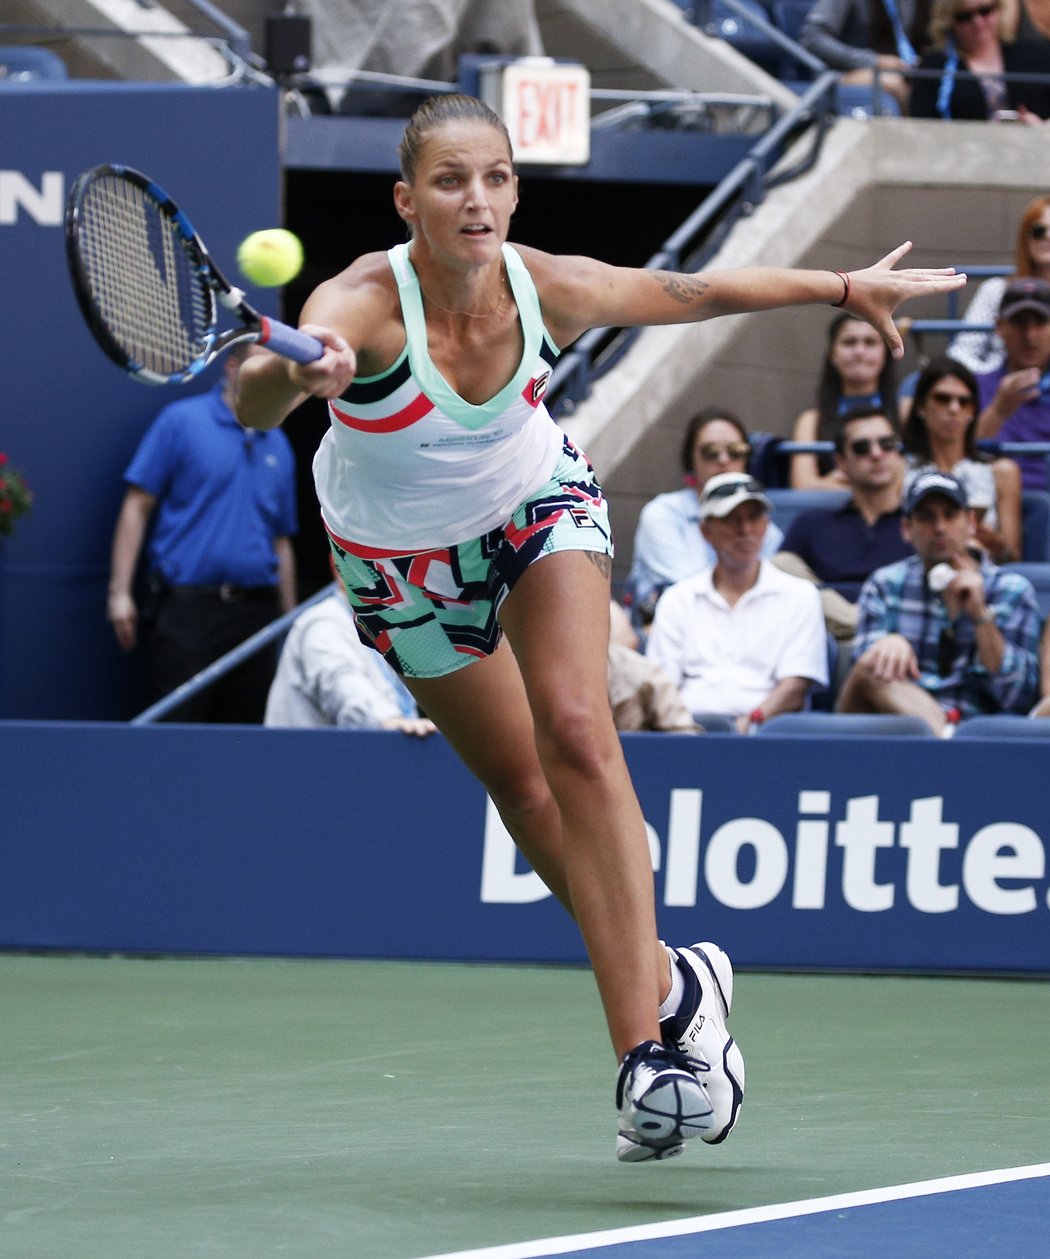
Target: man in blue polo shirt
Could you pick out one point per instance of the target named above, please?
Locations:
(220, 565)
(842, 546)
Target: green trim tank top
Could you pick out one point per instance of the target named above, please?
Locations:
(408, 465)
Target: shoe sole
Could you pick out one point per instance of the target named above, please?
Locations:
(718, 970)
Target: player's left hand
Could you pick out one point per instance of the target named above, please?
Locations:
(877, 291)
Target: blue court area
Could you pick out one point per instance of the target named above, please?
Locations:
(1003, 1213)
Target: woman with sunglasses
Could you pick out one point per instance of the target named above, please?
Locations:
(858, 371)
(941, 435)
(984, 351)
(668, 544)
(967, 47)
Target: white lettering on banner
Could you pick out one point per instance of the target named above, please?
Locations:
(747, 862)
(502, 883)
(46, 205)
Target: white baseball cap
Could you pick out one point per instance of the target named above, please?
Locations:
(726, 491)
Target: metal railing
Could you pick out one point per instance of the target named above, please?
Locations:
(235, 656)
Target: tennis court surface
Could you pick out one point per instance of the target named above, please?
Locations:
(388, 1110)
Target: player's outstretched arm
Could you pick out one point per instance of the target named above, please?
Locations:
(580, 293)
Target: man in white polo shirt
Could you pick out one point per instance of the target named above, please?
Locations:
(741, 638)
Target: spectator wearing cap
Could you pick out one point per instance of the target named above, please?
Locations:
(740, 638)
(1015, 398)
(944, 633)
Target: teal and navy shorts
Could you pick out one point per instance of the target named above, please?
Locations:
(434, 612)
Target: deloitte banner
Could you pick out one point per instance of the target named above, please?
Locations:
(857, 853)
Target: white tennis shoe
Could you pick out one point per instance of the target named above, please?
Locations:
(661, 1104)
(699, 1032)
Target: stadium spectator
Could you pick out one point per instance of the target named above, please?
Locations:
(1042, 708)
(944, 633)
(983, 351)
(641, 695)
(940, 433)
(842, 546)
(861, 37)
(1015, 398)
(966, 46)
(327, 677)
(221, 502)
(857, 372)
(1026, 20)
(668, 544)
(741, 638)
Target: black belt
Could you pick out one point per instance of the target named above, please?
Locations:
(226, 593)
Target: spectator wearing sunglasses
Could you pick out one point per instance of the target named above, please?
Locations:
(857, 371)
(945, 631)
(741, 639)
(966, 46)
(940, 434)
(983, 351)
(840, 547)
(668, 543)
(1015, 399)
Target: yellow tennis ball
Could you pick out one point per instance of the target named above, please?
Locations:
(271, 257)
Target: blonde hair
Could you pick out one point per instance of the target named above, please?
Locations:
(942, 19)
(434, 113)
(1033, 212)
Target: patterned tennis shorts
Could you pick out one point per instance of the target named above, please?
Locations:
(434, 612)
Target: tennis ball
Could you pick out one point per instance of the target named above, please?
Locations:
(271, 257)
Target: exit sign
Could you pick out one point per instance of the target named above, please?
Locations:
(546, 106)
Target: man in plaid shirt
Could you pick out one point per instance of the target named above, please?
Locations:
(944, 629)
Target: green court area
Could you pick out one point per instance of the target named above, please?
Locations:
(237, 1108)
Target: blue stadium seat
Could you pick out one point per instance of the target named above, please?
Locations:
(1039, 576)
(788, 503)
(811, 723)
(747, 39)
(715, 723)
(19, 64)
(1003, 726)
(1035, 525)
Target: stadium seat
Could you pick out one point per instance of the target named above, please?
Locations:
(812, 723)
(715, 723)
(1003, 726)
(22, 64)
(1039, 576)
(1035, 525)
(788, 503)
(748, 39)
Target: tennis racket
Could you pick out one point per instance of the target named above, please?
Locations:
(148, 287)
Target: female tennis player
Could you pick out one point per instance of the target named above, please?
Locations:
(473, 540)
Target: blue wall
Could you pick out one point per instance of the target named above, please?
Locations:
(70, 419)
(855, 852)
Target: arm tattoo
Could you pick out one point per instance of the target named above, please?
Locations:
(685, 289)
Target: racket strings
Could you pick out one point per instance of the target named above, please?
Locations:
(145, 284)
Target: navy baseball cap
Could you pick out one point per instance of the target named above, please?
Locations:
(1025, 293)
(927, 483)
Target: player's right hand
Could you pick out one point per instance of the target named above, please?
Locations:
(330, 375)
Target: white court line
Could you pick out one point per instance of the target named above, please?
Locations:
(752, 1215)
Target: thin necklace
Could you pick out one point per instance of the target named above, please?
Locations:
(488, 314)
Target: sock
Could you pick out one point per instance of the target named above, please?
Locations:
(669, 1005)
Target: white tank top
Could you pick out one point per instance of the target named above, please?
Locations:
(407, 465)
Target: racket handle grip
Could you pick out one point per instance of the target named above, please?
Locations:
(290, 342)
